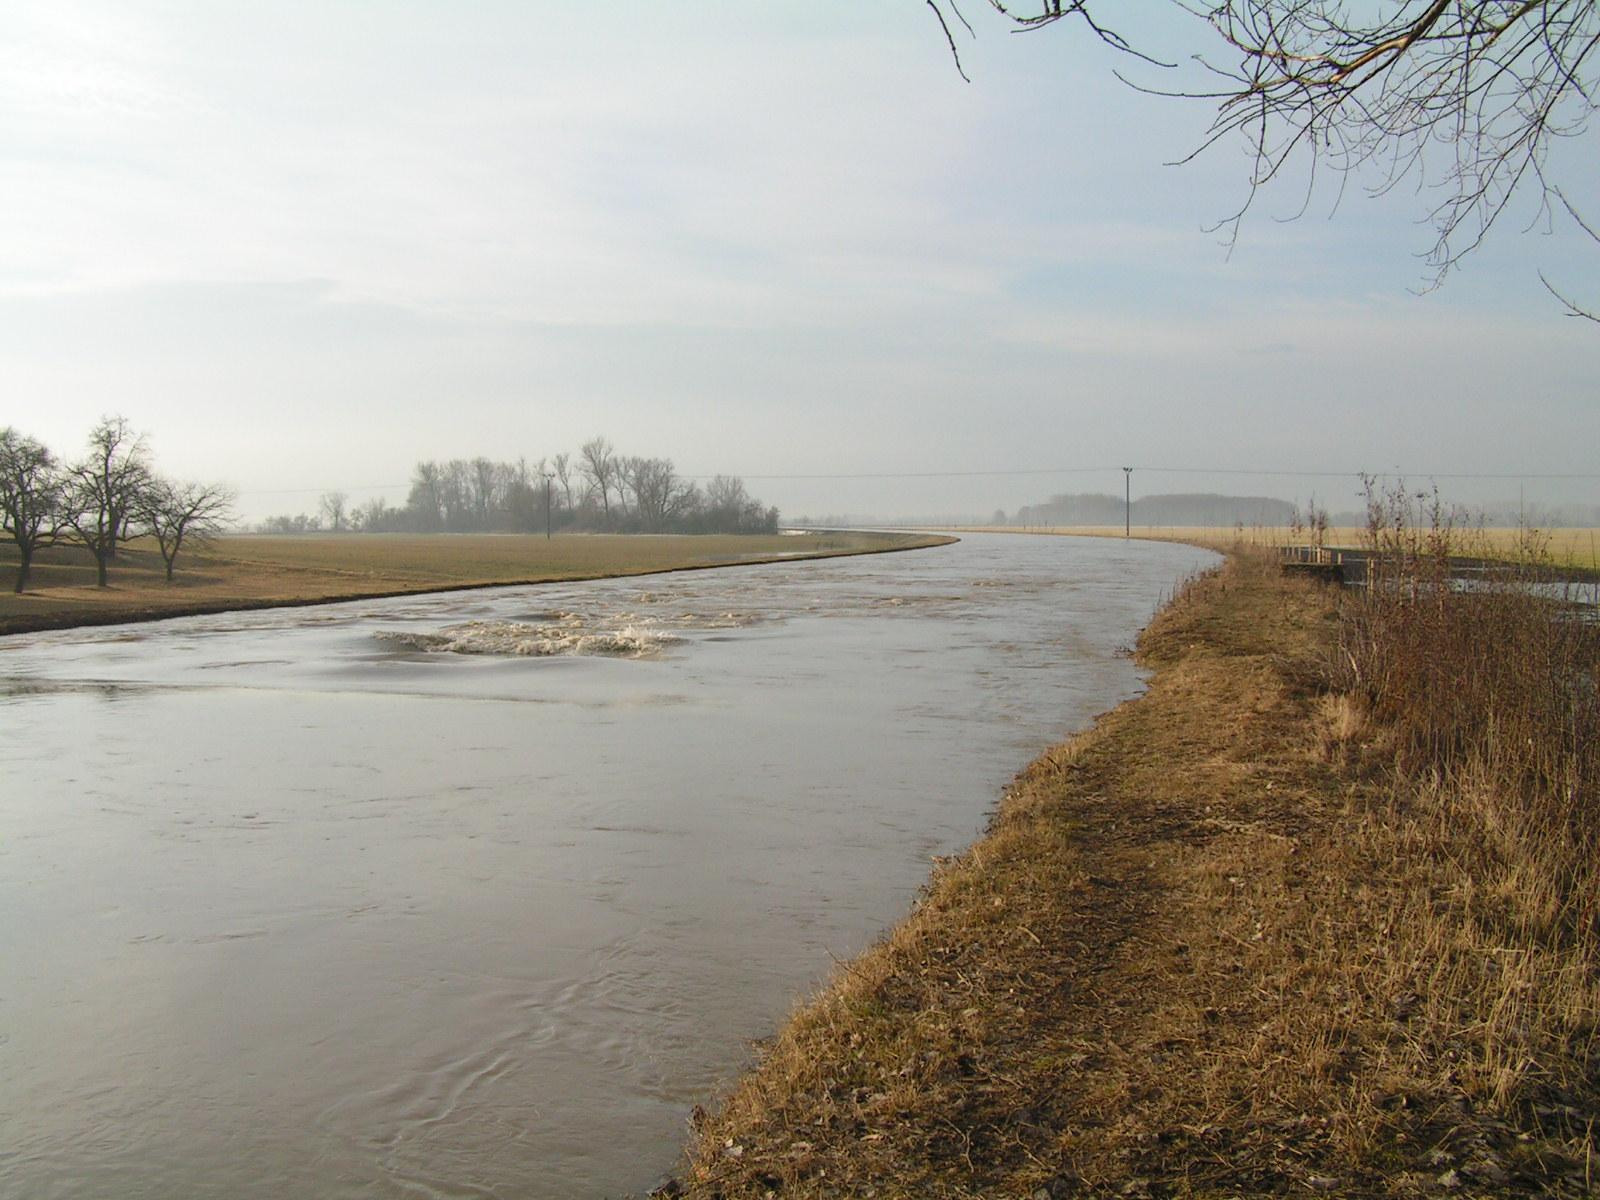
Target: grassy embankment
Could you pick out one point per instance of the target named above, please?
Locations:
(1318, 914)
(262, 572)
(1561, 548)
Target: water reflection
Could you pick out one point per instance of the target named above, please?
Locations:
(289, 905)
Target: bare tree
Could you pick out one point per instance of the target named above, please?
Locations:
(561, 464)
(729, 508)
(334, 509)
(372, 516)
(1488, 85)
(628, 468)
(484, 484)
(598, 463)
(105, 490)
(31, 488)
(726, 496)
(658, 494)
(184, 514)
(426, 498)
(522, 494)
(613, 492)
(455, 490)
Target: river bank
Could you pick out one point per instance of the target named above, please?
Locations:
(1220, 944)
(243, 573)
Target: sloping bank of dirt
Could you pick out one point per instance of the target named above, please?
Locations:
(1191, 957)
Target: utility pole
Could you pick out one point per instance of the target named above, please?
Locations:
(1127, 502)
(547, 478)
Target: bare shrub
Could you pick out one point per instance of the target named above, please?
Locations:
(1487, 686)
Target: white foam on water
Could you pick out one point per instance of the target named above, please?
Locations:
(518, 638)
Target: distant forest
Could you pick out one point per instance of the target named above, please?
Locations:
(596, 490)
(1093, 508)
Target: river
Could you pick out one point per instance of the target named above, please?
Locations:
(476, 894)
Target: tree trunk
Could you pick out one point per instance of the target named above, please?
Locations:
(24, 564)
(100, 568)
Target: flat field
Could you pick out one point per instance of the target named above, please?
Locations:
(261, 571)
(1561, 547)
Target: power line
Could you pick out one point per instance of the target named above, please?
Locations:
(1178, 471)
(1375, 474)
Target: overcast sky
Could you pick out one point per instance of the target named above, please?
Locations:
(304, 245)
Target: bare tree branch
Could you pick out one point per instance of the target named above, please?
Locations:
(1464, 98)
(949, 37)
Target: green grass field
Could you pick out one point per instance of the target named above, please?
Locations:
(263, 571)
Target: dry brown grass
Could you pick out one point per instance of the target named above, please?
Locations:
(256, 572)
(1577, 548)
(472, 558)
(1225, 943)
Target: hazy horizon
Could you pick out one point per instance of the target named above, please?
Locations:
(303, 247)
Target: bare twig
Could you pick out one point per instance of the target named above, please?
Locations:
(1464, 99)
(949, 37)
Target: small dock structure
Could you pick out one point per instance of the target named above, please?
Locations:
(1317, 562)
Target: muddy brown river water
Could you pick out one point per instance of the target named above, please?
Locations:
(475, 895)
